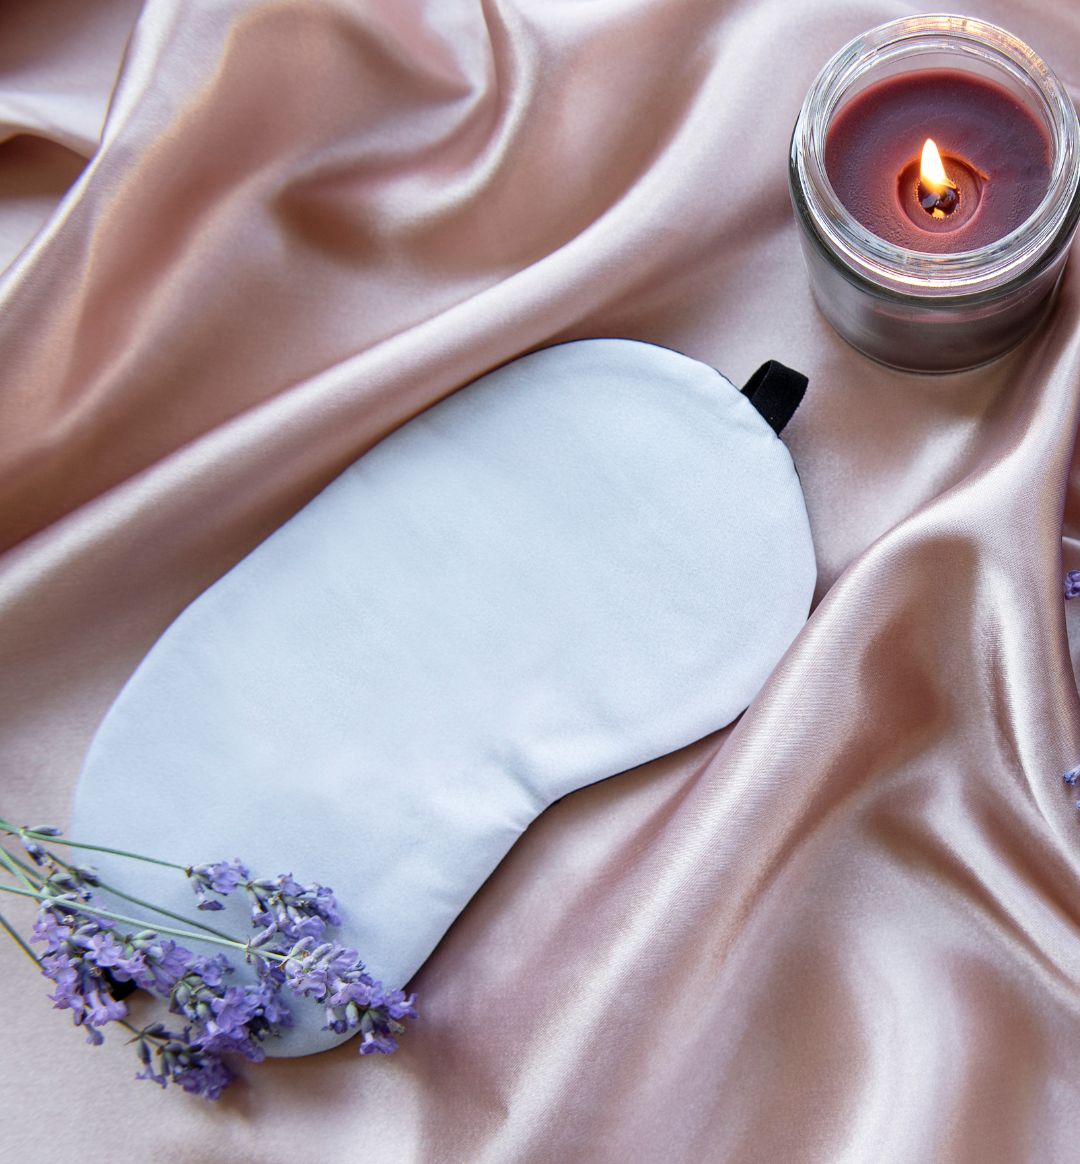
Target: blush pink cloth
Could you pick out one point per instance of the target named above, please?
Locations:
(847, 929)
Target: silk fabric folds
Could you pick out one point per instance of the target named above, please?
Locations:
(847, 929)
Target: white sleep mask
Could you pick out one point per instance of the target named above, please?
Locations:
(583, 560)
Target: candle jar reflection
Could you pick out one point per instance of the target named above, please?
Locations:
(912, 309)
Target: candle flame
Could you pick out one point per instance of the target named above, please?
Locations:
(932, 173)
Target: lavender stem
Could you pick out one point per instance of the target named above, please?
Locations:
(12, 867)
(6, 826)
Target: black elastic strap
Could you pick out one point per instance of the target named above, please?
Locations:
(776, 390)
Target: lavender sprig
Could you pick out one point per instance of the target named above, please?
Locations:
(284, 906)
(94, 962)
(294, 918)
(180, 1060)
(29, 841)
(53, 836)
(335, 976)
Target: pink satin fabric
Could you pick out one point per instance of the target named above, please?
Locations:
(847, 929)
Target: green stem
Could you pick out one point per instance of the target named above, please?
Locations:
(93, 911)
(163, 911)
(7, 826)
(139, 1032)
(9, 863)
(131, 1027)
(17, 939)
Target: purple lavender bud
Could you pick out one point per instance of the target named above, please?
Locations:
(204, 1075)
(262, 937)
(326, 905)
(105, 951)
(230, 1011)
(189, 1065)
(1072, 776)
(68, 884)
(148, 1071)
(296, 910)
(225, 876)
(373, 1043)
(83, 985)
(220, 877)
(37, 854)
(400, 1007)
(164, 964)
(49, 929)
(363, 993)
(1072, 584)
(211, 970)
(275, 1012)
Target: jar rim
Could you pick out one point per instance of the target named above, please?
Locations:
(888, 267)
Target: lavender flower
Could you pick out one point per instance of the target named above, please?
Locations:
(75, 880)
(122, 961)
(232, 1018)
(183, 1061)
(50, 930)
(230, 1023)
(372, 1042)
(1072, 776)
(315, 971)
(334, 975)
(211, 970)
(220, 877)
(82, 985)
(199, 1072)
(274, 1011)
(94, 963)
(1072, 584)
(284, 906)
(165, 962)
(38, 853)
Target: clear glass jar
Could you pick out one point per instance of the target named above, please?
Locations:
(912, 309)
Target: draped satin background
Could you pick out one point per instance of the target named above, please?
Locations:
(248, 239)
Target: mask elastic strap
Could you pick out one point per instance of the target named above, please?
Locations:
(775, 390)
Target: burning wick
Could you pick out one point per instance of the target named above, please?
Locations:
(936, 193)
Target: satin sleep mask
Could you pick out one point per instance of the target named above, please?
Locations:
(585, 559)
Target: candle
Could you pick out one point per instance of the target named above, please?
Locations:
(935, 177)
(993, 159)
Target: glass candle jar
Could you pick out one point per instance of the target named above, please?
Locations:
(913, 309)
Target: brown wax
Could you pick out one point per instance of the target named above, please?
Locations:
(995, 152)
